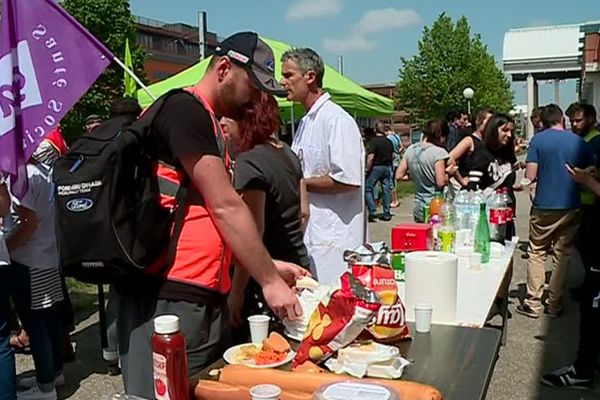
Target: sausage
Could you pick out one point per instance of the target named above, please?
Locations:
(239, 375)
(212, 390)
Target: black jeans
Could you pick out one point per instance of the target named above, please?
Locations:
(44, 327)
(7, 357)
(589, 326)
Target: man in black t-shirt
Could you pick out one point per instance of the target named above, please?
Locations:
(243, 65)
(380, 155)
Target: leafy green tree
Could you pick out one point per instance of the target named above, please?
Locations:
(449, 60)
(112, 23)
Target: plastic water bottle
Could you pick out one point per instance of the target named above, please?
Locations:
(460, 209)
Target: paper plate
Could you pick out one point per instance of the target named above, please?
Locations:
(229, 354)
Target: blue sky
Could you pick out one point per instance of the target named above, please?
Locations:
(372, 35)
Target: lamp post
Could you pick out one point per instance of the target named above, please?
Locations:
(468, 93)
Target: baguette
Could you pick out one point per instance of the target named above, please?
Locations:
(212, 390)
(239, 375)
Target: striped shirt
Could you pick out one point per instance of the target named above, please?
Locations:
(46, 288)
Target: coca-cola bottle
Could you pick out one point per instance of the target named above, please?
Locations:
(509, 205)
(497, 217)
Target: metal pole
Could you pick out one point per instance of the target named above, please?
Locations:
(135, 78)
(468, 107)
(340, 64)
(102, 317)
(557, 91)
(202, 34)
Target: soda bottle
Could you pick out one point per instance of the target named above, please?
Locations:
(169, 359)
(426, 214)
(497, 217)
(482, 235)
(447, 232)
(436, 203)
(508, 204)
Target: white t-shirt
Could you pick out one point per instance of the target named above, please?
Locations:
(40, 251)
(328, 142)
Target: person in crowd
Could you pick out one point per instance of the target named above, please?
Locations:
(498, 139)
(583, 122)
(580, 374)
(468, 154)
(536, 119)
(380, 154)
(426, 164)
(330, 149)
(268, 176)
(397, 155)
(8, 390)
(556, 213)
(49, 150)
(36, 281)
(125, 111)
(217, 226)
(458, 121)
(91, 122)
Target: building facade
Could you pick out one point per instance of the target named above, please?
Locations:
(170, 47)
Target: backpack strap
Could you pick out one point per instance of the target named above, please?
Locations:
(184, 195)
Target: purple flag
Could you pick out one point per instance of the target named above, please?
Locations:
(47, 62)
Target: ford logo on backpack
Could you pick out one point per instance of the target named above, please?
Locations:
(79, 205)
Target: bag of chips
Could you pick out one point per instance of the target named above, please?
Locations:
(370, 264)
(338, 320)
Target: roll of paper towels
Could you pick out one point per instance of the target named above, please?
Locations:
(431, 277)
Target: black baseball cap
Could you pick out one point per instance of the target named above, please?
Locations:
(250, 52)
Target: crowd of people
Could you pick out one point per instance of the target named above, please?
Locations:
(560, 173)
(260, 213)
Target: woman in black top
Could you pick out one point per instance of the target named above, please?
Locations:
(268, 176)
(468, 154)
(499, 141)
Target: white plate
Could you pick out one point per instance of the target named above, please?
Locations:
(229, 353)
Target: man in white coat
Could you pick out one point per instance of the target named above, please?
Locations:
(330, 148)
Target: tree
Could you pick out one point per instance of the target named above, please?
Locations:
(449, 60)
(111, 22)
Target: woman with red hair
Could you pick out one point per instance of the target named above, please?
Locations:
(268, 176)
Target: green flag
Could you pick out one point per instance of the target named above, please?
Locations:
(128, 81)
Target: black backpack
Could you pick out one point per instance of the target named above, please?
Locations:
(109, 220)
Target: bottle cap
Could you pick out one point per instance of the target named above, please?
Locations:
(166, 324)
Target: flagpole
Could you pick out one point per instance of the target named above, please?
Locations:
(135, 78)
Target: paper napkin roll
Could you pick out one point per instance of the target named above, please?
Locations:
(431, 278)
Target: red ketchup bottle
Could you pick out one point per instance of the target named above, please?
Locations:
(169, 360)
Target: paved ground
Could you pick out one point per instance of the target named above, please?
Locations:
(533, 345)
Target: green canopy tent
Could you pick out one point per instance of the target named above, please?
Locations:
(358, 101)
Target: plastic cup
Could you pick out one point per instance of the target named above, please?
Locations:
(259, 328)
(475, 262)
(525, 182)
(423, 313)
(265, 392)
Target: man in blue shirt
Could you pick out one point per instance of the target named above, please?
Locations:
(556, 209)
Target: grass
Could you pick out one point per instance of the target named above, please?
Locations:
(84, 296)
(405, 188)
